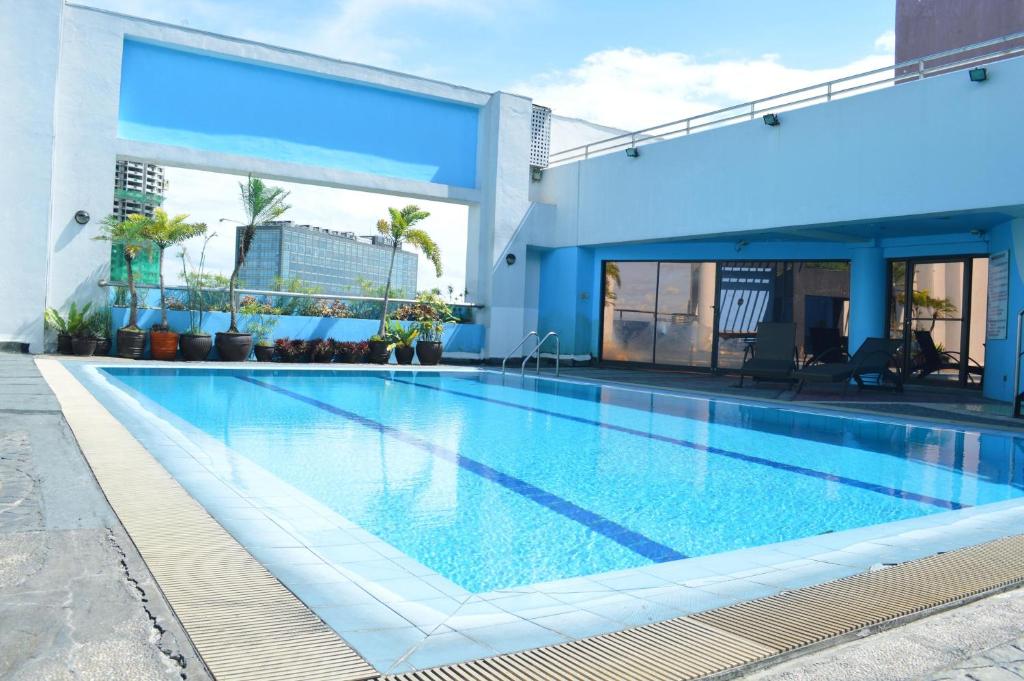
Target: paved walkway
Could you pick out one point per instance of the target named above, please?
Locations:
(76, 601)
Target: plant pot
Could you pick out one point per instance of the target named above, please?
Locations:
(323, 357)
(131, 344)
(64, 344)
(234, 347)
(404, 354)
(83, 347)
(195, 348)
(264, 353)
(379, 353)
(163, 345)
(102, 347)
(429, 352)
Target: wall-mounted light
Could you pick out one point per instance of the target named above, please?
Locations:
(536, 174)
(977, 232)
(632, 152)
(82, 217)
(741, 244)
(510, 259)
(979, 74)
(771, 119)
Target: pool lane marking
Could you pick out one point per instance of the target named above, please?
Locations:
(634, 541)
(810, 472)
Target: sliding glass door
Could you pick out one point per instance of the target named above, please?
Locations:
(705, 314)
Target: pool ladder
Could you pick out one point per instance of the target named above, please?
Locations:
(1018, 397)
(534, 351)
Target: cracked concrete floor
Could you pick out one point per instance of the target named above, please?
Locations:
(76, 600)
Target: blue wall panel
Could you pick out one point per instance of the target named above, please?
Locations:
(187, 99)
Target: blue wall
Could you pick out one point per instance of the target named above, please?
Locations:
(457, 337)
(187, 99)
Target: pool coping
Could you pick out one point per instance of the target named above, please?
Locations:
(610, 601)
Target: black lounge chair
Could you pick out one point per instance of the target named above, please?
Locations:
(932, 359)
(876, 356)
(773, 356)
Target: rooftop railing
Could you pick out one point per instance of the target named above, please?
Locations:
(969, 56)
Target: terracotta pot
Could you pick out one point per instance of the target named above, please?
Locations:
(264, 353)
(163, 345)
(64, 343)
(195, 348)
(131, 344)
(379, 352)
(234, 347)
(83, 346)
(429, 352)
(404, 354)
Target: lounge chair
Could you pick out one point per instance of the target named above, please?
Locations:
(876, 356)
(773, 356)
(932, 359)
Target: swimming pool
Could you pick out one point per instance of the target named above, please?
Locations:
(498, 484)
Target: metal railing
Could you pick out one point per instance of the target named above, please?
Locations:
(915, 69)
(536, 351)
(532, 334)
(279, 294)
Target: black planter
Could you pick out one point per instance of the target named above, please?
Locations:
(264, 353)
(64, 344)
(234, 347)
(102, 347)
(131, 344)
(379, 352)
(195, 348)
(83, 346)
(404, 354)
(429, 352)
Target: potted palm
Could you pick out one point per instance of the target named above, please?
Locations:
(83, 344)
(404, 338)
(399, 230)
(52, 319)
(260, 323)
(434, 315)
(165, 231)
(261, 204)
(195, 343)
(99, 324)
(130, 233)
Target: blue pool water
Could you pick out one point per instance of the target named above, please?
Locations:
(496, 485)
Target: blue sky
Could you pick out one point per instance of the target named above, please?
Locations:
(624, 64)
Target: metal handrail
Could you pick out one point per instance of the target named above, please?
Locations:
(280, 294)
(513, 351)
(558, 353)
(914, 69)
(1016, 365)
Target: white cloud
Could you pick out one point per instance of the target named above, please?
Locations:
(208, 197)
(886, 42)
(632, 88)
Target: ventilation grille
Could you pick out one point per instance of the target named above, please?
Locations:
(540, 136)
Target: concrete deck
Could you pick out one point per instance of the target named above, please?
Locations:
(76, 600)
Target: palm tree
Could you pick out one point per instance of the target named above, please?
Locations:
(401, 229)
(165, 231)
(261, 203)
(130, 234)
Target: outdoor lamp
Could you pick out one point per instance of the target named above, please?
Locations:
(536, 174)
(510, 259)
(771, 119)
(979, 74)
(632, 152)
(82, 217)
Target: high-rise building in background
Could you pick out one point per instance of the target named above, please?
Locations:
(331, 260)
(138, 188)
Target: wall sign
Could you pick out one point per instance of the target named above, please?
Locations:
(998, 295)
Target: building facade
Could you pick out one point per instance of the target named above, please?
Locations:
(139, 188)
(331, 260)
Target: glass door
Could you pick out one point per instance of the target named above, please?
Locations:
(930, 310)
